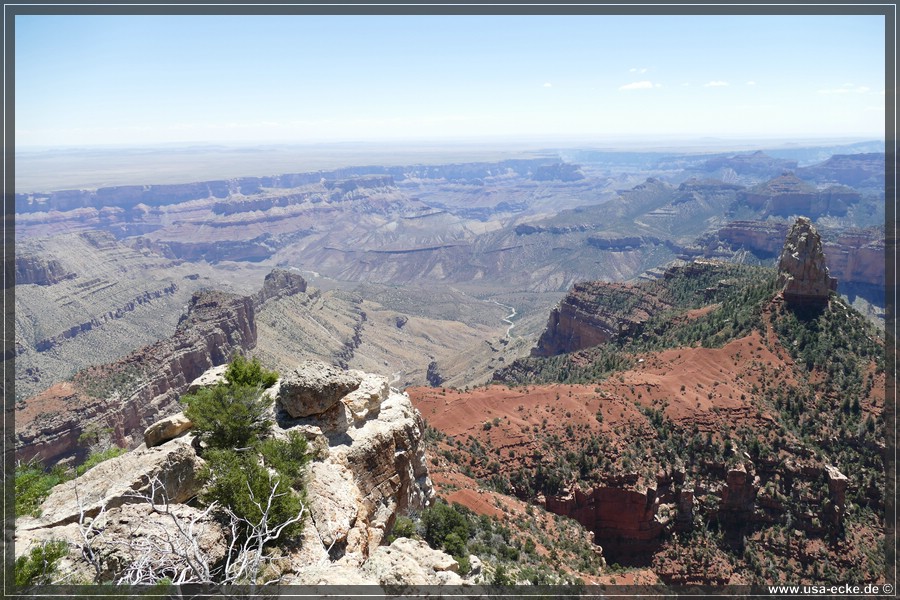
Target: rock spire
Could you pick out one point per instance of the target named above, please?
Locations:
(802, 273)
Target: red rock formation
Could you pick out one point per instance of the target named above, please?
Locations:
(837, 490)
(623, 520)
(738, 497)
(593, 313)
(764, 238)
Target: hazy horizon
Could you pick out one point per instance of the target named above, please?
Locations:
(81, 167)
(646, 141)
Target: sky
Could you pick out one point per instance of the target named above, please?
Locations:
(137, 80)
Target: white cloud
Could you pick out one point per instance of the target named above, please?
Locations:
(548, 84)
(640, 85)
(716, 84)
(751, 83)
(637, 70)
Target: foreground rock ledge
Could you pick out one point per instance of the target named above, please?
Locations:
(369, 468)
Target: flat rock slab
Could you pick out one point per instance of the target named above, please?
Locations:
(333, 501)
(166, 429)
(209, 378)
(314, 387)
(366, 399)
(121, 480)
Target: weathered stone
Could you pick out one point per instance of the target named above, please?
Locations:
(367, 398)
(369, 475)
(121, 480)
(333, 501)
(388, 460)
(166, 429)
(361, 479)
(837, 482)
(686, 504)
(29, 534)
(624, 520)
(411, 562)
(837, 490)
(331, 574)
(313, 388)
(209, 378)
(802, 273)
(738, 496)
(133, 531)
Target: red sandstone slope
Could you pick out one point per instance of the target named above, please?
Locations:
(634, 492)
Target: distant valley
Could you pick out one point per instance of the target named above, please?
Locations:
(413, 270)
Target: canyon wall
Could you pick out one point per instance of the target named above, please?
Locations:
(129, 394)
(852, 255)
(594, 313)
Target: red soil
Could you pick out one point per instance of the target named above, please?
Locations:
(711, 388)
(55, 399)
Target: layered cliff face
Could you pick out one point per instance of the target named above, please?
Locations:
(853, 256)
(754, 164)
(84, 299)
(134, 391)
(594, 313)
(802, 273)
(369, 467)
(131, 196)
(625, 521)
(373, 467)
(788, 195)
(33, 269)
(858, 170)
(631, 522)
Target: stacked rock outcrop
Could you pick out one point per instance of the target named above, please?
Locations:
(802, 273)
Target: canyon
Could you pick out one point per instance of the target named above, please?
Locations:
(577, 337)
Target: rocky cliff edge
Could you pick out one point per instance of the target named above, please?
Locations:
(369, 467)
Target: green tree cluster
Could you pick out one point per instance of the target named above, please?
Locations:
(32, 484)
(248, 472)
(38, 567)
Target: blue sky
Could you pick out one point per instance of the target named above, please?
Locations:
(85, 80)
